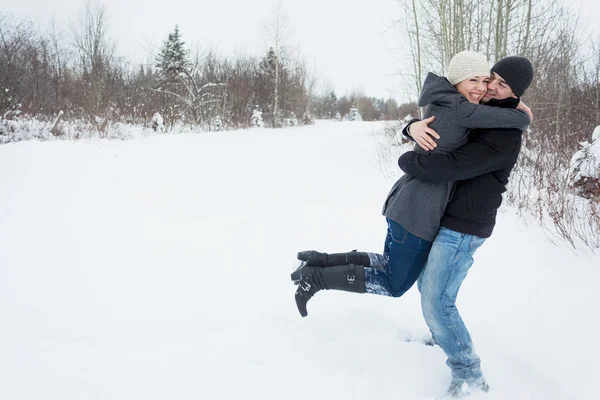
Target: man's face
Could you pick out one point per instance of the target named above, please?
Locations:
(497, 89)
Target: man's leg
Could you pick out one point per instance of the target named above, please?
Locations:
(449, 261)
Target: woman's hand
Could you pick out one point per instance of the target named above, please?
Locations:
(424, 135)
(524, 107)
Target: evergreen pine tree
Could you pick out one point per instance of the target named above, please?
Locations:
(173, 58)
(173, 68)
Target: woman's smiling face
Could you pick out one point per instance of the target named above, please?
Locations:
(473, 88)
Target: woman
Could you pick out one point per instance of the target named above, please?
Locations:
(413, 208)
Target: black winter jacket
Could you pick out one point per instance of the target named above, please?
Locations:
(481, 168)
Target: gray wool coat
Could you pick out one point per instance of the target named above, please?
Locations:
(419, 205)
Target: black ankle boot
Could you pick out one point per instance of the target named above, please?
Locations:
(317, 259)
(350, 278)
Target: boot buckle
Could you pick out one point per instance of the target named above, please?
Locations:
(351, 278)
(304, 285)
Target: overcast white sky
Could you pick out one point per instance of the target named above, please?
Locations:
(344, 38)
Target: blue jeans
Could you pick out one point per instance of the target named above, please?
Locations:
(449, 261)
(397, 269)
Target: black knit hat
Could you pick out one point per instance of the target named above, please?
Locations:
(516, 71)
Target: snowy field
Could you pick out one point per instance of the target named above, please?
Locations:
(158, 268)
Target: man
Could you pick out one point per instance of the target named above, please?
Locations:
(481, 169)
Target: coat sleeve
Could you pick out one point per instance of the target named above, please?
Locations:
(481, 116)
(471, 160)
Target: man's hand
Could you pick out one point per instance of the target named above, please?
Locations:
(524, 107)
(424, 135)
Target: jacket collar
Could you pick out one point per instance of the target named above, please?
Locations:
(509, 102)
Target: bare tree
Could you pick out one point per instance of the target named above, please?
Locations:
(310, 85)
(95, 50)
(438, 29)
(59, 60)
(16, 39)
(276, 27)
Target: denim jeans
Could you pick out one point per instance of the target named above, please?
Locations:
(397, 269)
(449, 260)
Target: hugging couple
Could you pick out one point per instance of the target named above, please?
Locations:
(444, 207)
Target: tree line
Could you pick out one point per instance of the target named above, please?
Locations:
(78, 72)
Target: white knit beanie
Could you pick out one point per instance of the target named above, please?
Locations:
(467, 64)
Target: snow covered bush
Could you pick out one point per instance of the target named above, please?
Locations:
(556, 191)
(158, 123)
(291, 121)
(256, 120)
(585, 168)
(217, 124)
(353, 115)
(308, 119)
(28, 128)
(16, 130)
(393, 132)
(407, 119)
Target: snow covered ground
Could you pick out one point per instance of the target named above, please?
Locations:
(158, 268)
